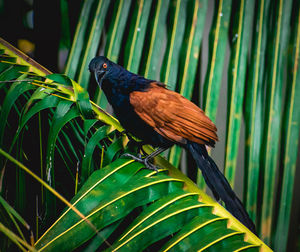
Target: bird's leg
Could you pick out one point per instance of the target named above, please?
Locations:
(146, 160)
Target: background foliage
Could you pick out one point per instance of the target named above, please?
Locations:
(253, 53)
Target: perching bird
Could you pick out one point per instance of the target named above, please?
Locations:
(162, 118)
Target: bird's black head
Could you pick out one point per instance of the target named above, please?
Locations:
(110, 75)
(100, 66)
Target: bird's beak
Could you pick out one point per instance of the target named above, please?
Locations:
(99, 77)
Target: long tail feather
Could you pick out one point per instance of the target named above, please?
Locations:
(219, 185)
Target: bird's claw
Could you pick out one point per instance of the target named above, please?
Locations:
(150, 166)
(136, 158)
(142, 160)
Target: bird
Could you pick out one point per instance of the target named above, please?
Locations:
(148, 110)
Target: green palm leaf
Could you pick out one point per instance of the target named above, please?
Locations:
(273, 113)
(290, 138)
(236, 84)
(159, 204)
(137, 32)
(254, 109)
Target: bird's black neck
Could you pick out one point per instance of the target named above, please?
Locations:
(117, 89)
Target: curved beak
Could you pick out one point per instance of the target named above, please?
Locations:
(99, 76)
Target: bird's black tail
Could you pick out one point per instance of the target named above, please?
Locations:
(219, 185)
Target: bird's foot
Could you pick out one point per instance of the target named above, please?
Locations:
(142, 160)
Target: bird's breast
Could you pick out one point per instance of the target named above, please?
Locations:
(134, 124)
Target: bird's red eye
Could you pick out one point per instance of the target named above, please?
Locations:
(104, 65)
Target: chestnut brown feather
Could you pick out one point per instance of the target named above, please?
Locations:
(173, 116)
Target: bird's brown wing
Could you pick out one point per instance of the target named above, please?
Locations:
(173, 116)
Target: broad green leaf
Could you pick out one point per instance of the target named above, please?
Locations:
(65, 40)
(217, 52)
(78, 41)
(12, 72)
(64, 114)
(236, 84)
(92, 42)
(254, 109)
(213, 230)
(99, 239)
(274, 82)
(151, 65)
(14, 92)
(290, 132)
(6, 62)
(116, 29)
(83, 101)
(136, 192)
(88, 124)
(113, 150)
(49, 188)
(175, 35)
(60, 78)
(86, 169)
(39, 93)
(191, 46)
(161, 224)
(81, 95)
(6, 58)
(106, 118)
(114, 40)
(48, 102)
(119, 172)
(157, 207)
(137, 32)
